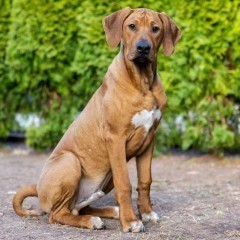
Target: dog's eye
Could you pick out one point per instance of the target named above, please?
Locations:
(132, 26)
(155, 29)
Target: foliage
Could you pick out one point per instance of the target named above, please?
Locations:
(6, 114)
(202, 79)
(53, 56)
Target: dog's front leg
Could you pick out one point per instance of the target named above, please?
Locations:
(123, 189)
(144, 182)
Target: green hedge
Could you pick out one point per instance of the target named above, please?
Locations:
(53, 56)
(6, 111)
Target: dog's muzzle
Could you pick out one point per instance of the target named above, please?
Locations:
(143, 48)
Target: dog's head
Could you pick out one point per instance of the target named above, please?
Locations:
(141, 32)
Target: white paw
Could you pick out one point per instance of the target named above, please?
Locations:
(35, 212)
(152, 216)
(97, 223)
(116, 209)
(100, 194)
(75, 212)
(135, 227)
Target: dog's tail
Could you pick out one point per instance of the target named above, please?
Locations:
(22, 193)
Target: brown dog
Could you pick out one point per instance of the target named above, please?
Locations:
(117, 124)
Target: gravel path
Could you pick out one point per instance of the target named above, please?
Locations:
(196, 197)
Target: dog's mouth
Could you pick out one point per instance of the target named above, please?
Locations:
(142, 59)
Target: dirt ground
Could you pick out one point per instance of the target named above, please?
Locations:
(196, 196)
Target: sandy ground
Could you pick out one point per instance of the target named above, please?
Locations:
(196, 198)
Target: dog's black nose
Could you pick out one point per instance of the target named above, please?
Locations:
(143, 47)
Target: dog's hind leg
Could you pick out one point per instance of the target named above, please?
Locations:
(58, 189)
(65, 217)
(105, 212)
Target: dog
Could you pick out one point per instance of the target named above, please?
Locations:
(117, 124)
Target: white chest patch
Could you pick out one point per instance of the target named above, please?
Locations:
(146, 118)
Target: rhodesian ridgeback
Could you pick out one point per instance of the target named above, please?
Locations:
(117, 124)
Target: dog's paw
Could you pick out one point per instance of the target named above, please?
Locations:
(75, 212)
(150, 217)
(116, 210)
(97, 223)
(135, 227)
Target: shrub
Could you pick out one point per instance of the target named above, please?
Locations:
(6, 114)
(53, 56)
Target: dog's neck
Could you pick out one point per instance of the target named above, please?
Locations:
(140, 75)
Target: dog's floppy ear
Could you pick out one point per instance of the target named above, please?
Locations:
(113, 25)
(172, 34)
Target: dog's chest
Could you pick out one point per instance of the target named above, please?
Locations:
(146, 118)
(144, 123)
